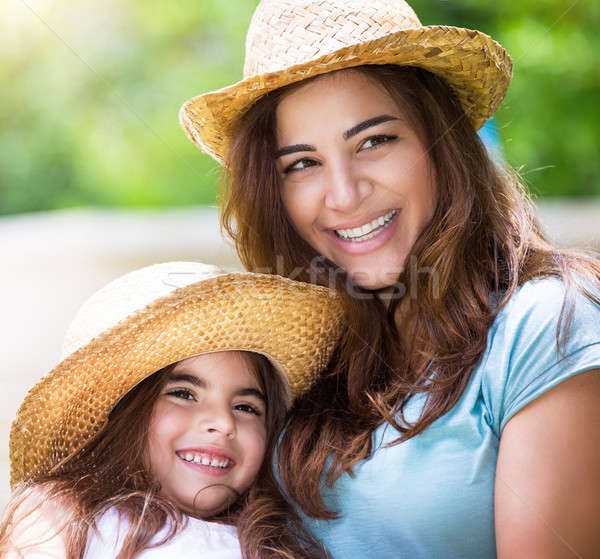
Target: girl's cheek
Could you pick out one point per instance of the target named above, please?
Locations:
(261, 438)
(166, 419)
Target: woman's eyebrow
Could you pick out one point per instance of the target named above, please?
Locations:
(293, 149)
(347, 135)
(367, 124)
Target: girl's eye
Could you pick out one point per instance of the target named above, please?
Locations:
(182, 393)
(247, 408)
(375, 141)
(299, 165)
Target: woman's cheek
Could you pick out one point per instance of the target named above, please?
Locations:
(298, 206)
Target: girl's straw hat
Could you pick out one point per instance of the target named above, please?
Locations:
(150, 318)
(292, 40)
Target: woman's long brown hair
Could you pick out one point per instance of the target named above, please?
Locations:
(481, 244)
(110, 472)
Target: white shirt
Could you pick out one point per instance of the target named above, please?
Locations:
(198, 538)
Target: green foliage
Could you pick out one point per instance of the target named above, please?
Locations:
(91, 91)
(550, 120)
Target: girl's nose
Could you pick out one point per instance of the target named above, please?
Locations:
(345, 189)
(216, 418)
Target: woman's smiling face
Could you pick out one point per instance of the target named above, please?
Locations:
(356, 179)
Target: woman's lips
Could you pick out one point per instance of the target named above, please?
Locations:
(363, 220)
(369, 245)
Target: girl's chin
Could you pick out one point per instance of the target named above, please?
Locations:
(207, 503)
(205, 510)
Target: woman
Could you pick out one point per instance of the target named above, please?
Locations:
(460, 416)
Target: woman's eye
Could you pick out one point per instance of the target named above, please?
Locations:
(181, 393)
(299, 165)
(375, 141)
(247, 408)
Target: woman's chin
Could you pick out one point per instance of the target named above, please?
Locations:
(373, 271)
(375, 281)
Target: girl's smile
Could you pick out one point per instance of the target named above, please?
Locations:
(207, 433)
(210, 460)
(356, 179)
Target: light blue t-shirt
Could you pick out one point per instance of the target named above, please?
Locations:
(432, 497)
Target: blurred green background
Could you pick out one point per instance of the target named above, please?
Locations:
(90, 93)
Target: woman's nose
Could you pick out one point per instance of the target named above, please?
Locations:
(345, 188)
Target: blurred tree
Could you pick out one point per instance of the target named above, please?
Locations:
(90, 94)
(550, 119)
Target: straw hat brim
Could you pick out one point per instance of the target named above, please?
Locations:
(294, 324)
(475, 66)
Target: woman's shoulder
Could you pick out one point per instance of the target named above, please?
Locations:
(35, 519)
(543, 302)
(545, 333)
(538, 289)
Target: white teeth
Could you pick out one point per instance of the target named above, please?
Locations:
(368, 230)
(205, 460)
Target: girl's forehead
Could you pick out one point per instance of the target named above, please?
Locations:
(217, 366)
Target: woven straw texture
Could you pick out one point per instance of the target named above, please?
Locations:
(295, 324)
(292, 40)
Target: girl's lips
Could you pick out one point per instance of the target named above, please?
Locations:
(212, 450)
(210, 460)
(207, 470)
(363, 247)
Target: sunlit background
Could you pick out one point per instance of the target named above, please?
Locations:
(97, 178)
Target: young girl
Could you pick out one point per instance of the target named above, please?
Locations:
(154, 435)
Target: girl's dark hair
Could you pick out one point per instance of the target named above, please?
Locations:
(482, 242)
(110, 472)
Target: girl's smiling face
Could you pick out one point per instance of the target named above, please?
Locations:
(207, 433)
(356, 180)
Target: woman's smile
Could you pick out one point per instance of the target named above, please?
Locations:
(370, 236)
(356, 179)
(362, 230)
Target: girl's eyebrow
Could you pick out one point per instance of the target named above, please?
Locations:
(252, 392)
(347, 135)
(183, 377)
(195, 381)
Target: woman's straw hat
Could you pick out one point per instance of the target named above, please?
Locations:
(292, 40)
(150, 318)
